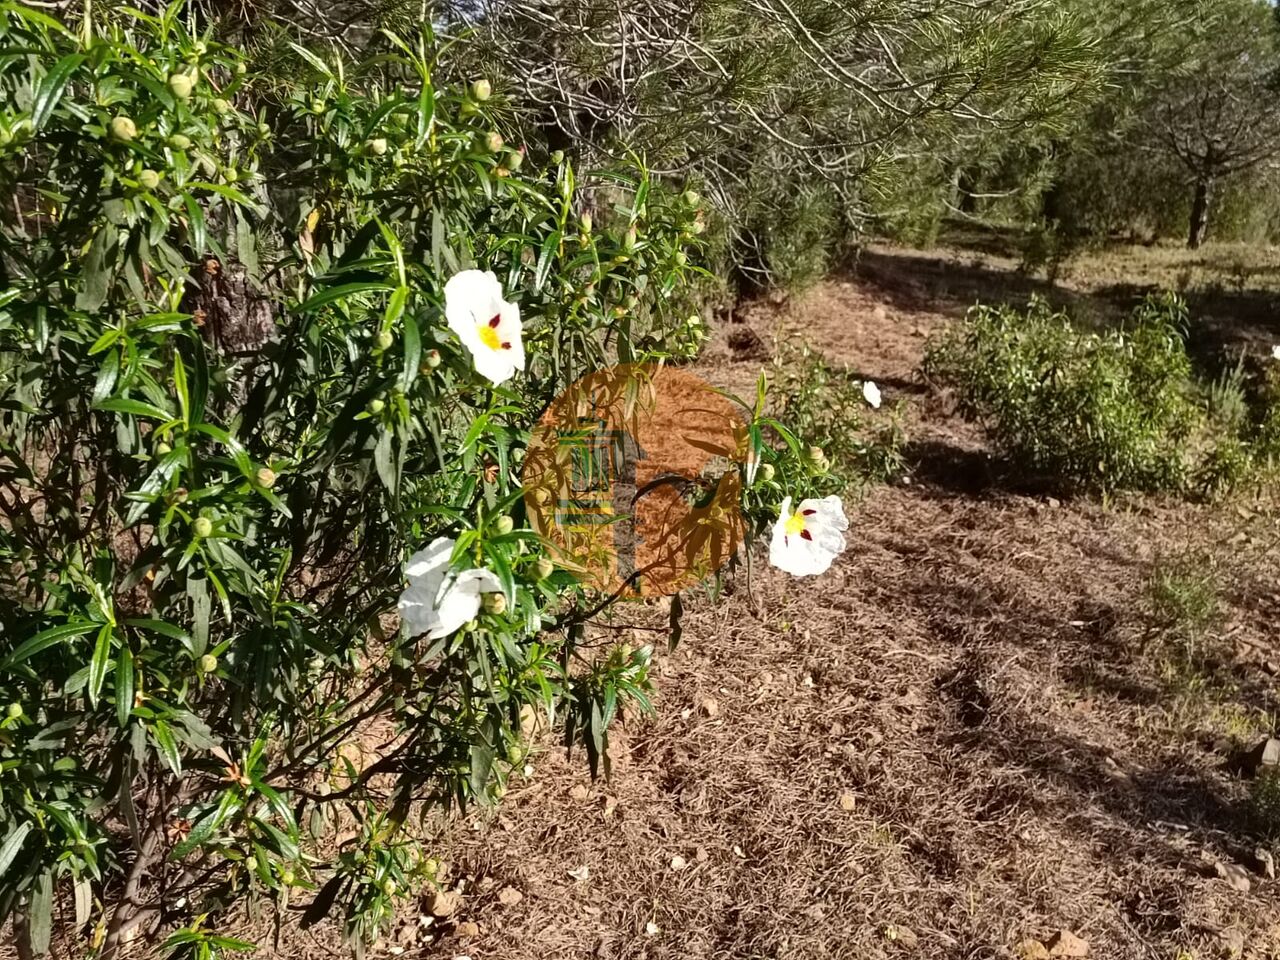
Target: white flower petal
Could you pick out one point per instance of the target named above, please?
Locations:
(871, 393)
(1275, 352)
(488, 325)
(454, 609)
(812, 551)
(436, 602)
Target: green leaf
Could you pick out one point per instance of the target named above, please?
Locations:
(47, 638)
(124, 685)
(40, 916)
(12, 844)
(341, 292)
(412, 353)
(51, 88)
(163, 737)
(98, 665)
(136, 408)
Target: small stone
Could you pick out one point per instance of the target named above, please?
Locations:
(467, 929)
(848, 801)
(579, 792)
(581, 874)
(905, 936)
(678, 862)
(708, 707)
(651, 929)
(1272, 667)
(1265, 754)
(610, 806)
(1031, 950)
(443, 903)
(1234, 874)
(509, 896)
(1064, 943)
(1266, 862)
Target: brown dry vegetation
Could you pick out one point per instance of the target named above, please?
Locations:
(972, 733)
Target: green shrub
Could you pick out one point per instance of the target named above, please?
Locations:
(827, 405)
(1110, 410)
(230, 406)
(1183, 596)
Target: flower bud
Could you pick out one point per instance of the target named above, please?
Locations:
(543, 568)
(585, 222)
(515, 159)
(389, 887)
(504, 525)
(493, 141)
(179, 142)
(287, 877)
(691, 197)
(377, 146)
(124, 129)
(266, 477)
(264, 130)
(149, 179)
(241, 69)
(385, 339)
(816, 453)
(471, 625)
(557, 157)
(629, 239)
(180, 85)
(221, 106)
(495, 603)
(163, 448)
(375, 405)
(203, 526)
(432, 359)
(13, 711)
(208, 663)
(318, 106)
(767, 472)
(181, 495)
(481, 90)
(681, 258)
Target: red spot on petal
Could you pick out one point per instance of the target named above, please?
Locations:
(506, 345)
(786, 541)
(806, 534)
(497, 319)
(808, 513)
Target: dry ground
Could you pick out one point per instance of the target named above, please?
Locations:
(967, 736)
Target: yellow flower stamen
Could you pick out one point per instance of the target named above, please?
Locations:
(795, 524)
(489, 336)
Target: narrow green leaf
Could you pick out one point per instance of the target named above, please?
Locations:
(12, 844)
(51, 88)
(98, 665)
(47, 638)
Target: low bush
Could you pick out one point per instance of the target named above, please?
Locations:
(1104, 410)
(829, 405)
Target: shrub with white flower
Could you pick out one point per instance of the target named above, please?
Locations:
(807, 540)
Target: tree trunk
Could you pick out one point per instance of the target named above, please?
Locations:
(1200, 211)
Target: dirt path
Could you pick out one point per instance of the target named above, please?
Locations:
(965, 737)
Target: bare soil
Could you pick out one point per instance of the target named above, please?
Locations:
(970, 735)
